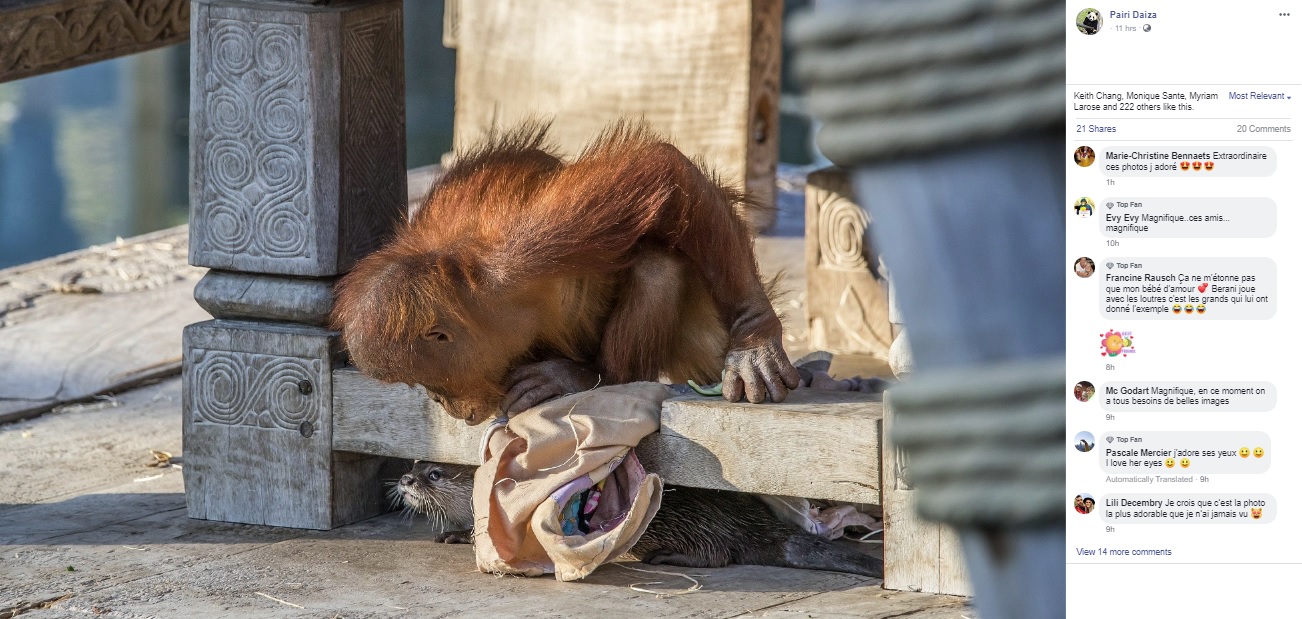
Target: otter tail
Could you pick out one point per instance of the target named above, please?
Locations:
(808, 551)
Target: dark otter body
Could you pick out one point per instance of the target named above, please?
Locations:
(714, 528)
(694, 527)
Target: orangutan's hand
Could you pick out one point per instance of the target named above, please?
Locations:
(532, 384)
(757, 372)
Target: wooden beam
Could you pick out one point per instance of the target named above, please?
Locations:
(817, 444)
(398, 421)
(706, 74)
(42, 36)
(919, 555)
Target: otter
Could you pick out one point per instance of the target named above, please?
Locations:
(442, 492)
(693, 528)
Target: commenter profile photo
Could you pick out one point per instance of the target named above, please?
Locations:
(1083, 156)
(1084, 267)
(1083, 391)
(1084, 442)
(1084, 207)
(1084, 503)
(1089, 21)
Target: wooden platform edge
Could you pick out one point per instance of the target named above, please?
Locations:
(920, 556)
(140, 378)
(765, 448)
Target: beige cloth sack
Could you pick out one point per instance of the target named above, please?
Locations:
(535, 462)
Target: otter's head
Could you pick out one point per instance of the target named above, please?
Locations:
(434, 319)
(443, 492)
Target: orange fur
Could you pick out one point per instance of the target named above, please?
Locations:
(630, 259)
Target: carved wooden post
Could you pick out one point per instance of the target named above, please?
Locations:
(297, 168)
(845, 302)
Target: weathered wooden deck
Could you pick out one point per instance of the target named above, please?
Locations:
(85, 522)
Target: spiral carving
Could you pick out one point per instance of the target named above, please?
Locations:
(282, 233)
(229, 162)
(280, 117)
(255, 158)
(841, 228)
(229, 113)
(286, 404)
(279, 167)
(276, 50)
(250, 389)
(220, 390)
(226, 223)
(231, 52)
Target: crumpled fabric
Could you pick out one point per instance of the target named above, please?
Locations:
(538, 460)
(828, 521)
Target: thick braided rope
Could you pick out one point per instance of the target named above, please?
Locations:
(897, 78)
(985, 445)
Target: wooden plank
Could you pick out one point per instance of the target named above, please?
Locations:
(106, 442)
(33, 524)
(398, 421)
(113, 536)
(873, 603)
(918, 555)
(846, 305)
(93, 321)
(180, 568)
(42, 36)
(816, 444)
(705, 74)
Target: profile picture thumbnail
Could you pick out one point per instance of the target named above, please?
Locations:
(1084, 156)
(1084, 390)
(1084, 207)
(1088, 21)
(1084, 442)
(1084, 267)
(1084, 503)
